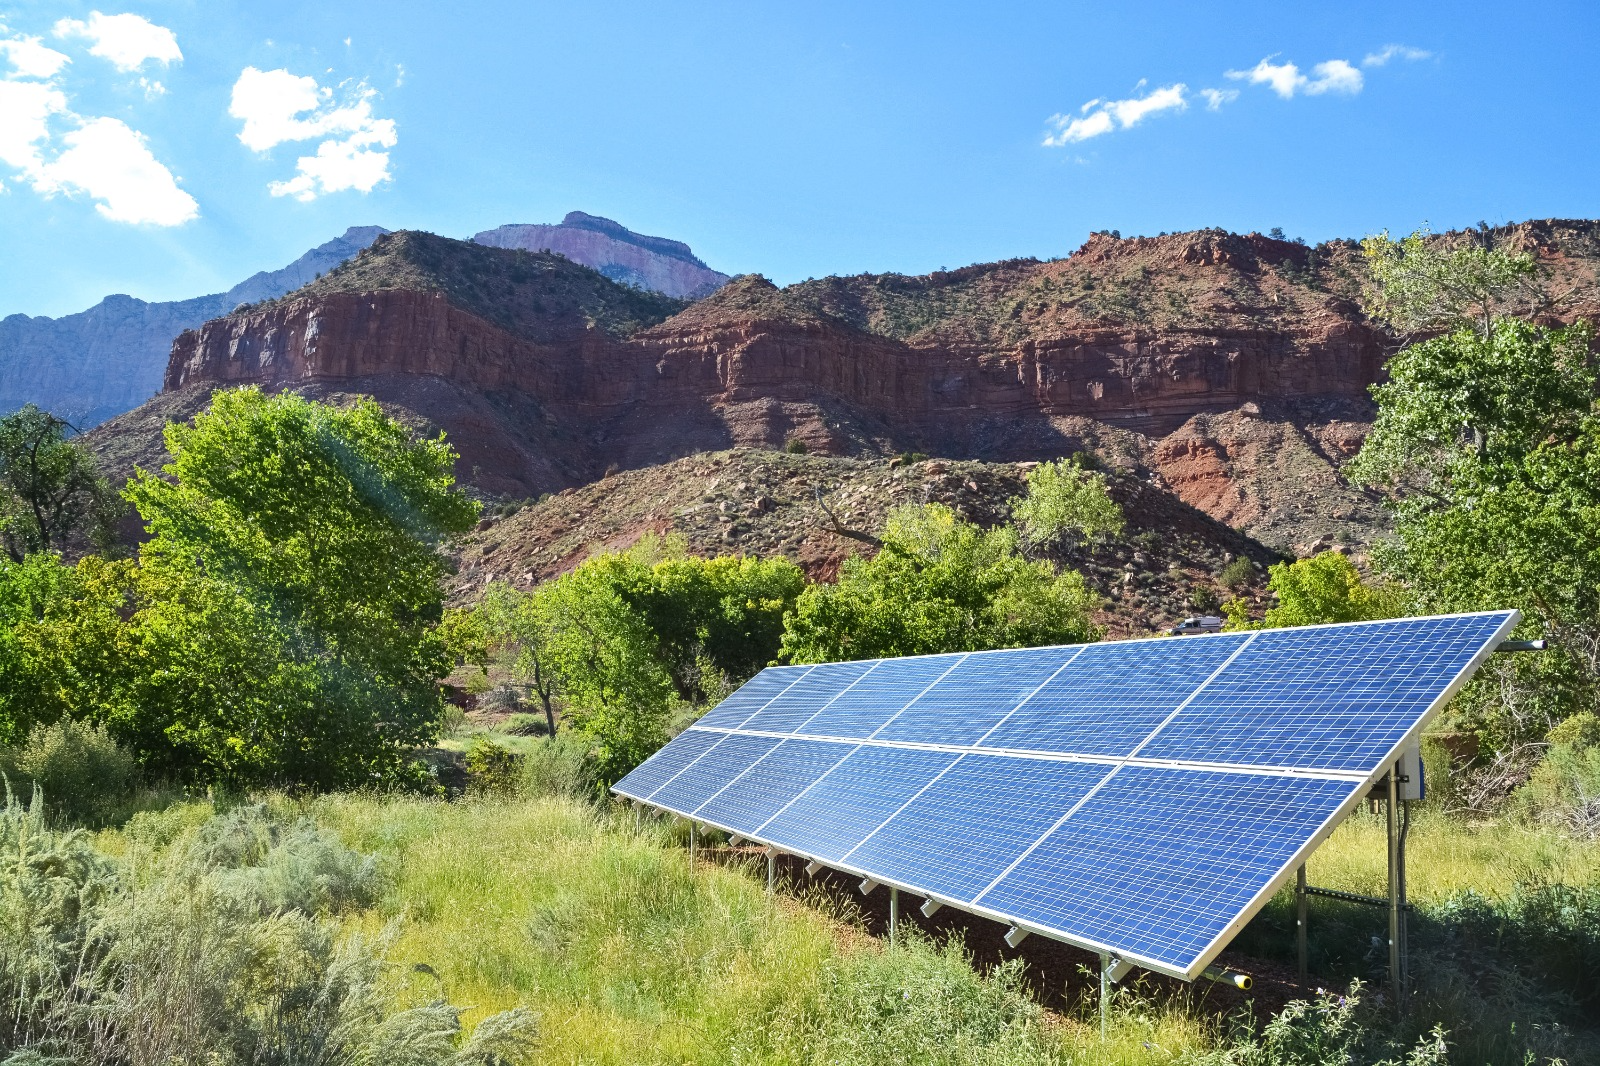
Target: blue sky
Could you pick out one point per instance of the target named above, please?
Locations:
(160, 154)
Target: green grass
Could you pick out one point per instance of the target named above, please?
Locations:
(629, 957)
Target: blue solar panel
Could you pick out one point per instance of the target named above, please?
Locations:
(806, 697)
(1141, 833)
(878, 696)
(752, 696)
(1110, 698)
(665, 764)
(1329, 698)
(974, 821)
(769, 785)
(853, 799)
(1159, 862)
(968, 701)
(706, 776)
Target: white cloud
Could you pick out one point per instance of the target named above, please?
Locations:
(30, 58)
(110, 162)
(1395, 51)
(1215, 98)
(1099, 117)
(277, 107)
(128, 41)
(1334, 75)
(26, 108)
(101, 158)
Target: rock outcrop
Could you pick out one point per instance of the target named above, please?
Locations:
(1233, 371)
(98, 363)
(654, 263)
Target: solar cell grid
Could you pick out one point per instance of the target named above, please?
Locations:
(1159, 862)
(797, 703)
(968, 701)
(665, 764)
(972, 821)
(771, 783)
(706, 776)
(752, 696)
(853, 799)
(878, 696)
(1109, 699)
(1082, 839)
(1336, 698)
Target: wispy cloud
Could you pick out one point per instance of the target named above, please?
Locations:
(1395, 51)
(277, 107)
(1332, 76)
(56, 151)
(1098, 117)
(127, 41)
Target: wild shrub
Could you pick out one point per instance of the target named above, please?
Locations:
(1332, 1030)
(561, 766)
(1564, 789)
(1237, 575)
(926, 1004)
(53, 887)
(490, 767)
(213, 944)
(86, 779)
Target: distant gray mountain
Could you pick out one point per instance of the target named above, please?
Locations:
(109, 359)
(98, 363)
(656, 263)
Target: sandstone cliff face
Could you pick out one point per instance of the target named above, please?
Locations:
(655, 263)
(98, 363)
(1233, 371)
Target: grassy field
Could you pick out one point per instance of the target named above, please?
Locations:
(628, 956)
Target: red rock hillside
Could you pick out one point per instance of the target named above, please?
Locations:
(1230, 369)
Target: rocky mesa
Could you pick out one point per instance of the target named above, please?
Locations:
(1233, 370)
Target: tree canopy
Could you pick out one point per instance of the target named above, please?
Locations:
(291, 592)
(49, 488)
(939, 583)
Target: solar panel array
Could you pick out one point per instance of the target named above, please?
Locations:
(1141, 798)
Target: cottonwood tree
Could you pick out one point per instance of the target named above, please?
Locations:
(49, 487)
(938, 584)
(290, 593)
(1488, 443)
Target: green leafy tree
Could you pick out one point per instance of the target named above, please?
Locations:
(290, 593)
(604, 654)
(515, 626)
(49, 488)
(939, 584)
(1488, 442)
(65, 648)
(1324, 588)
(1063, 499)
(1424, 283)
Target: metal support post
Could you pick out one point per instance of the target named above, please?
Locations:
(1392, 812)
(772, 870)
(894, 913)
(1300, 918)
(1403, 903)
(638, 818)
(1105, 997)
(693, 840)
